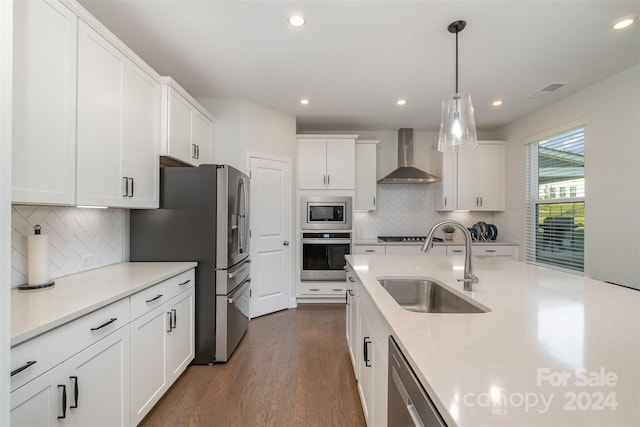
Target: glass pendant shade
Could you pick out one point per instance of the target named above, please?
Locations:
(457, 123)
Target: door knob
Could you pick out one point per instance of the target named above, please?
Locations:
(286, 243)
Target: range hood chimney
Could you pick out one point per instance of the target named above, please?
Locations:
(406, 173)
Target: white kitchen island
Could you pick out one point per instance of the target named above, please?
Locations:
(556, 349)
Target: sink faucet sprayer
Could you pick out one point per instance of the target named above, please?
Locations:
(469, 278)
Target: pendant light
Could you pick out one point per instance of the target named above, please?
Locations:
(457, 124)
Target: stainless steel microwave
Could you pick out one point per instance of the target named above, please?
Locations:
(325, 213)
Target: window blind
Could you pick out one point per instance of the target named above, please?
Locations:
(555, 196)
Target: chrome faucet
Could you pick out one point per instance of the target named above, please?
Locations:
(469, 278)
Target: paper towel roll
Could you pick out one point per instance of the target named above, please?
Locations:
(38, 258)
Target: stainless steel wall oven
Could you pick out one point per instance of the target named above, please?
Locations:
(323, 256)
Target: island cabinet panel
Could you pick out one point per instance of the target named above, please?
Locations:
(44, 103)
(371, 359)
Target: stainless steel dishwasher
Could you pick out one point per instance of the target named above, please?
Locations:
(409, 404)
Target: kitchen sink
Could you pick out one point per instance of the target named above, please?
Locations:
(427, 296)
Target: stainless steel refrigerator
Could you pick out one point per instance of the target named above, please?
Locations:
(203, 217)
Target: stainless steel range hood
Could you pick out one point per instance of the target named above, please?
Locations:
(406, 173)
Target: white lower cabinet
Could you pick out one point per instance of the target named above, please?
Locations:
(90, 389)
(371, 362)
(162, 343)
(101, 369)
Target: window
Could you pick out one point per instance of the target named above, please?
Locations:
(555, 220)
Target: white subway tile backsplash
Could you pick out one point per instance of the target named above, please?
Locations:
(73, 232)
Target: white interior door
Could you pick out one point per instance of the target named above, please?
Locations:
(270, 193)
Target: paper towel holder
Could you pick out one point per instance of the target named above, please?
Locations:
(27, 286)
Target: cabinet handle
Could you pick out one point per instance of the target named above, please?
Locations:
(328, 179)
(369, 250)
(193, 151)
(107, 323)
(175, 318)
(23, 367)
(337, 290)
(374, 200)
(457, 251)
(351, 279)
(480, 201)
(350, 292)
(315, 289)
(445, 201)
(324, 179)
(75, 392)
(477, 201)
(184, 283)
(64, 401)
(170, 322)
(126, 186)
(490, 250)
(154, 298)
(198, 152)
(367, 341)
(346, 297)
(131, 187)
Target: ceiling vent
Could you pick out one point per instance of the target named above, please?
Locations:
(546, 90)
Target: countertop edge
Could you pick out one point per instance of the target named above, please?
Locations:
(48, 326)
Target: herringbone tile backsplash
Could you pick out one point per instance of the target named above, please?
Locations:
(73, 233)
(408, 210)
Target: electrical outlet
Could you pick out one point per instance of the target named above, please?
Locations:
(87, 260)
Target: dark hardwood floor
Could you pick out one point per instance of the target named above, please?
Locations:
(292, 368)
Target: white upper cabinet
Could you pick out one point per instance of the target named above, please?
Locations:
(481, 175)
(100, 108)
(87, 112)
(186, 127)
(473, 179)
(326, 162)
(366, 185)
(446, 189)
(118, 110)
(44, 103)
(140, 137)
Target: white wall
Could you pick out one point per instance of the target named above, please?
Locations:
(242, 127)
(6, 31)
(610, 110)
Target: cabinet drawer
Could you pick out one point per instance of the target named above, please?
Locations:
(368, 250)
(493, 250)
(59, 344)
(334, 289)
(150, 298)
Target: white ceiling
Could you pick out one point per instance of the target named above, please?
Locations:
(354, 59)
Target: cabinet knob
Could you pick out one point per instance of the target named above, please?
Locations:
(285, 243)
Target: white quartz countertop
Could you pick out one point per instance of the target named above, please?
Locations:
(373, 241)
(557, 349)
(34, 312)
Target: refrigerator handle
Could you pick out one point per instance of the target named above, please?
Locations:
(242, 217)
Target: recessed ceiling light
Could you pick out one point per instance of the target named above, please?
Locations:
(497, 103)
(401, 101)
(296, 20)
(622, 23)
(304, 101)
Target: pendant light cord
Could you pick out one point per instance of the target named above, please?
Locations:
(457, 61)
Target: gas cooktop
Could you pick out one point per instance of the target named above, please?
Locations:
(406, 239)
